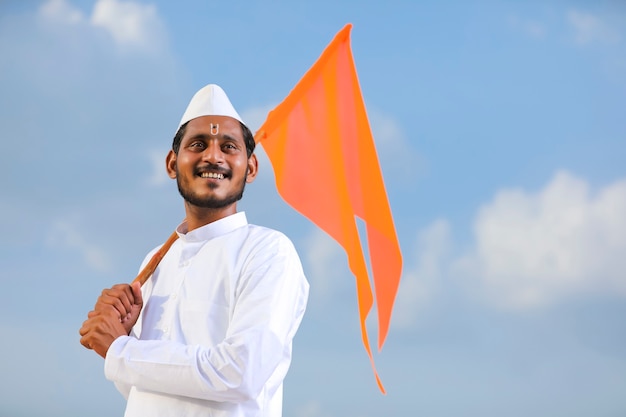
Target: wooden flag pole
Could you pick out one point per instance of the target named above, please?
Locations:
(148, 270)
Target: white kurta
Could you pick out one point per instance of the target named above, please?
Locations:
(215, 333)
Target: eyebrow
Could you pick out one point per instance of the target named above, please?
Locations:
(229, 137)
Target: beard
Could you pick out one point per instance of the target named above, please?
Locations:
(211, 202)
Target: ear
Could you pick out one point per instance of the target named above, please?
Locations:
(170, 164)
(253, 168)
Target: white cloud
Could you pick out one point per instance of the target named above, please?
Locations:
(61, 11)
(159, 175)
(589, 28)
(397, 158)
(530, 250)
(531, 28)
(533, 249)
(419, 285)
(534, 29)
(310, 409)
(326, 264)
(64, 235)
(254, 117)
(130, 23)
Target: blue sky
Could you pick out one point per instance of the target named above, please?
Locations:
(501, 132)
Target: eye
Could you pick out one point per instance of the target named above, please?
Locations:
(229, 146)
(196, 145)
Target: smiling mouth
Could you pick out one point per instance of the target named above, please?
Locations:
(214, 175)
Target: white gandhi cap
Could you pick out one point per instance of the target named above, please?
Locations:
(210, 100)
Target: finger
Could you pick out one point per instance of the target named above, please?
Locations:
(108, 304)
(119, 297)
(89, 324)
(85, 342)
(137, 295)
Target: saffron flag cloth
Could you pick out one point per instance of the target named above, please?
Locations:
(321, 148)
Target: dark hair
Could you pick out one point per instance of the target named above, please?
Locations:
(248, 138)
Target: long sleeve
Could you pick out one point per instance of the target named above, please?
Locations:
(221, 328)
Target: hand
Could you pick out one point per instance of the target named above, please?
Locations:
(124, 300)
(114, 315)
(100, 330)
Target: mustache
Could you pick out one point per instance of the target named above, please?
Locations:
(212, 168)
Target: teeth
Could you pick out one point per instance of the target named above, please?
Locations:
(212, 175)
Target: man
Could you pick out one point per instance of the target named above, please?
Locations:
(210, 333)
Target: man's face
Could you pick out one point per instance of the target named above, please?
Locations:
(212, 165)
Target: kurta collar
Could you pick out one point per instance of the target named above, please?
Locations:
(212, 230)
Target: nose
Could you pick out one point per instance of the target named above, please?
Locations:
(213, 153)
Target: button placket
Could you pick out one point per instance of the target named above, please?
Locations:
(169, 322)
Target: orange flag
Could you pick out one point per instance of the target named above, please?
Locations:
(322, 150)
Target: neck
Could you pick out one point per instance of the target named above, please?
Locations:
(201, 216)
